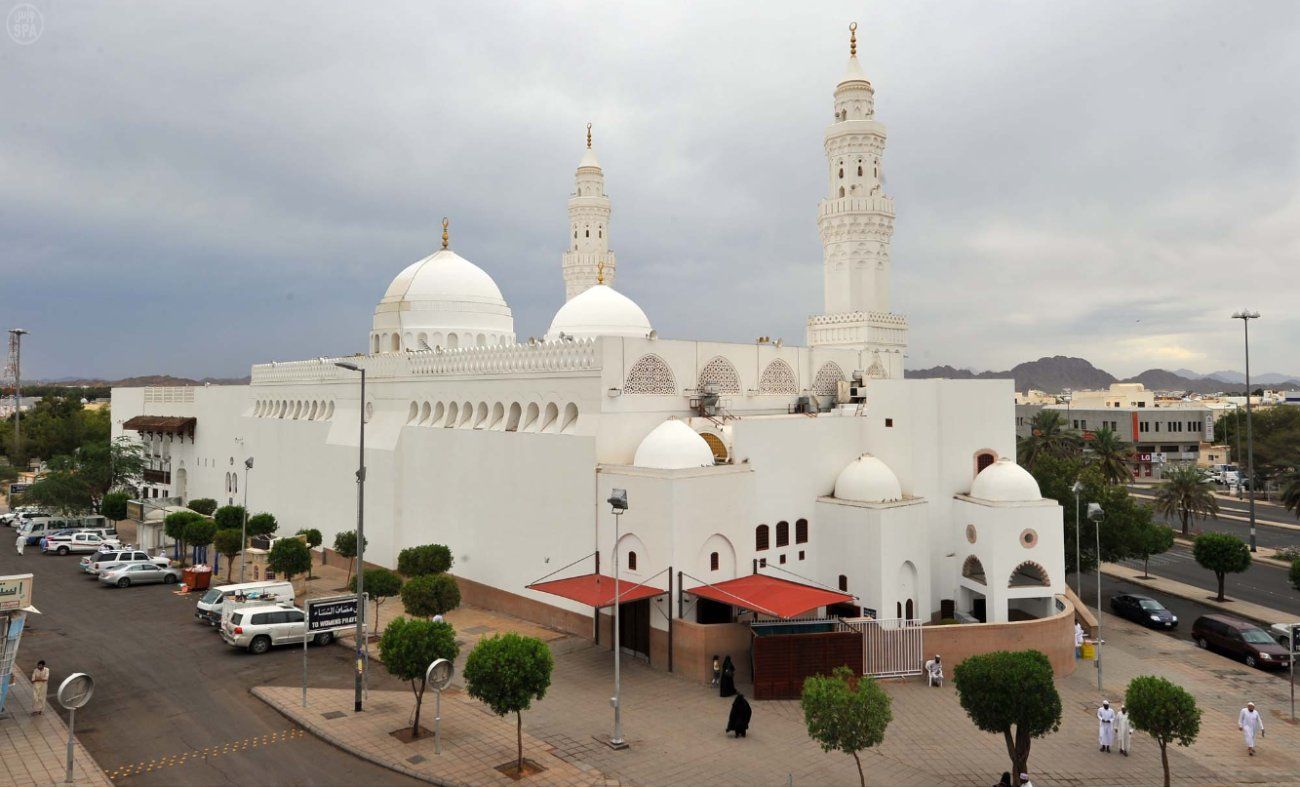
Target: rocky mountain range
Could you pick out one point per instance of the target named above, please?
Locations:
(139, 382)
(1057, 373)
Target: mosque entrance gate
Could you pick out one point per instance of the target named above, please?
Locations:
(890, 648)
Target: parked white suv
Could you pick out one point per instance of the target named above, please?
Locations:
(257, 627)
(112, 560)
(76, 542)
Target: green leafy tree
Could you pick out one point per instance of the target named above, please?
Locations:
(1187, 494)
(1047, 437)
(380, 584)
(1012, 693)
(228, 517)
(1126, 516)
(113, 506)
(262, 524)
(1276, 436)
(106, 465)
(430, 594)
(200, 532)
(1294, 574)
(289, 557)
(314, 539)
(1165, 711)
(427, 559)
(61, 489)
(845, 712)
(177, 524)
(1221, 553)
(408, 647)
(1291, 490)
(507, 672)
(1153, 539)
(345, 544)
(229, 542)
(204, 505)
(1111, 454)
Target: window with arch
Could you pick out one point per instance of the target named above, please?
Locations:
(844, 583)
(841, 191)
(973, 570)
(631, 561)
(783, 534)
(841, 173)
(908, 610)
(396, 342)
(586, 233)
(721, 375)
(801, 531)
(1028, 574)
(761, 534)
(859, 170)
(713, 561)
(827, 381)
(983, 459)
(650, 375)
(778, 378)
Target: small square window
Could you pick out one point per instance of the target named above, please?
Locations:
(783, 560)
(762, 562)
(801, 554)
(889, 422)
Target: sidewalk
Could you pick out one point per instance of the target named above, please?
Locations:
(1244, 609)
(33, 749)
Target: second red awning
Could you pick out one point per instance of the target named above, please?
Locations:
(777, 597)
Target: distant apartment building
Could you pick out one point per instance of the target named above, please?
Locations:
(1161, 432)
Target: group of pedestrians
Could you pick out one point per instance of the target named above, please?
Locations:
(1114, 728)
(724, 679)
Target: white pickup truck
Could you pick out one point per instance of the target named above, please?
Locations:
(76, 542)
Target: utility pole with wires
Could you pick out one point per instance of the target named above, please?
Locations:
(14, 371)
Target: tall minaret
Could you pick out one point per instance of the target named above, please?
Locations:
(856, 221)
(588, 228)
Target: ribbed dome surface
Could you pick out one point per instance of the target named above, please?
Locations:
(868, 480)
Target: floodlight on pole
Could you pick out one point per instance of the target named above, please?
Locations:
(243, 532)
(618, 505)
(1246, 315)
(361, 536)
(1096, 514)
(1076, 488)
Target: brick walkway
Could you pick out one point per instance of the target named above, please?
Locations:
(33, 749)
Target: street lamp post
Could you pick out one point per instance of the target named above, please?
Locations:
(618, 503)
(1078, 574)
(361, 536)
(1096, 514)
(17, 336)
(243, 531)
(1246, 315)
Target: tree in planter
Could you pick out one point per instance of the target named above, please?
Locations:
(262, 524)
(229, 542)
(507, 672)
(199, 533)
(288, 558)
(228, 517)
(176, 524)
(844, 717)
(1188, 494)
(408, 647)
(204, 505)
(314, 539)
(1221, 553)
(380, 584)
(1010, 692)
(113, 506)
(427, 559)
(345, 543)
(1152, 539)
(430, 594)
(1165, 711)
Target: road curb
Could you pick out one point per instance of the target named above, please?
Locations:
(1242, 609)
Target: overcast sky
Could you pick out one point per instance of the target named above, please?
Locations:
(190, 188)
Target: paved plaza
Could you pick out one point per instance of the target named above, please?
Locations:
(33, 749)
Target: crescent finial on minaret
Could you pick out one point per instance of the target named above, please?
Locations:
(600, 272)
(588, 136)
(853, 39)
(445, 237)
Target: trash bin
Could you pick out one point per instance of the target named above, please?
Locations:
(1089, 650)
(198, 577)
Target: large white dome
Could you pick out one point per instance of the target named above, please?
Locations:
(672, 445)
(599, 311)
(442, 300)
(1004, 481)
(868, 480)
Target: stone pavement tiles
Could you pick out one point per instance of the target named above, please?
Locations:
(33, 749)
(473, 741)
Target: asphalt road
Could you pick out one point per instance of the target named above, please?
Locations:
(165, 685)
(1275, 526)
(1262, 584)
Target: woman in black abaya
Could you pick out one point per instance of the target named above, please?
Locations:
(727, 687)
(738, 721)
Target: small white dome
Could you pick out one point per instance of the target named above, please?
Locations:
(673, 445)
(1004, 481)
(868, 480)
(599, 311)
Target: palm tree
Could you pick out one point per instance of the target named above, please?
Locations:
(1188, 493)
(1047, 437)
(1111, 454)
(1291, 490)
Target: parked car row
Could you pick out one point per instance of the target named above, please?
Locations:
(1234, 637)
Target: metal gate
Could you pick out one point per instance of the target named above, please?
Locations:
(890, 648)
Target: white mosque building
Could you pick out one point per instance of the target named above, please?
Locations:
(816, 467)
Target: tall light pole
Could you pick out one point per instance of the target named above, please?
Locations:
(243, 548)
(1246, 315)
(361, 535)
(1076, 488)
(16, 350)
(1096, 514)
(618, 503)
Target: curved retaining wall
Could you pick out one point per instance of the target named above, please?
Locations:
(1054, 636)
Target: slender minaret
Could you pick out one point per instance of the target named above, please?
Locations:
(856, 221)
(588, 228)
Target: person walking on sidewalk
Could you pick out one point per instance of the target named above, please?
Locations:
(1105, 726)
(1251, 724)
(1123, 730)
(40, 682)
(1078, 640)
(20, 543)
(717, 671)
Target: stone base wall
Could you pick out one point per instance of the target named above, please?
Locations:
(695, 644)
(1053, 636)
(479, 595)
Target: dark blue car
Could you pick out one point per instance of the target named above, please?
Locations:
(1144, 610)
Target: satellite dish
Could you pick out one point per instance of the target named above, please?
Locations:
(76, 690)
(438, 675)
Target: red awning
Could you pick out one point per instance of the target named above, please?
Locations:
(777, 597)
(596, 590)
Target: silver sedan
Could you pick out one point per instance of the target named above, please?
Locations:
(140, 574)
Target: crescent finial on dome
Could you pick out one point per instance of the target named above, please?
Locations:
(445, 237)
(600, 272)
(853, 39)
(588, 136)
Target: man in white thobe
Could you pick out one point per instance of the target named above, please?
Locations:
(20, 543)
(1250, 723)
(1105, 726)
(40, 682)
(1123, 730)
(1078, 640)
